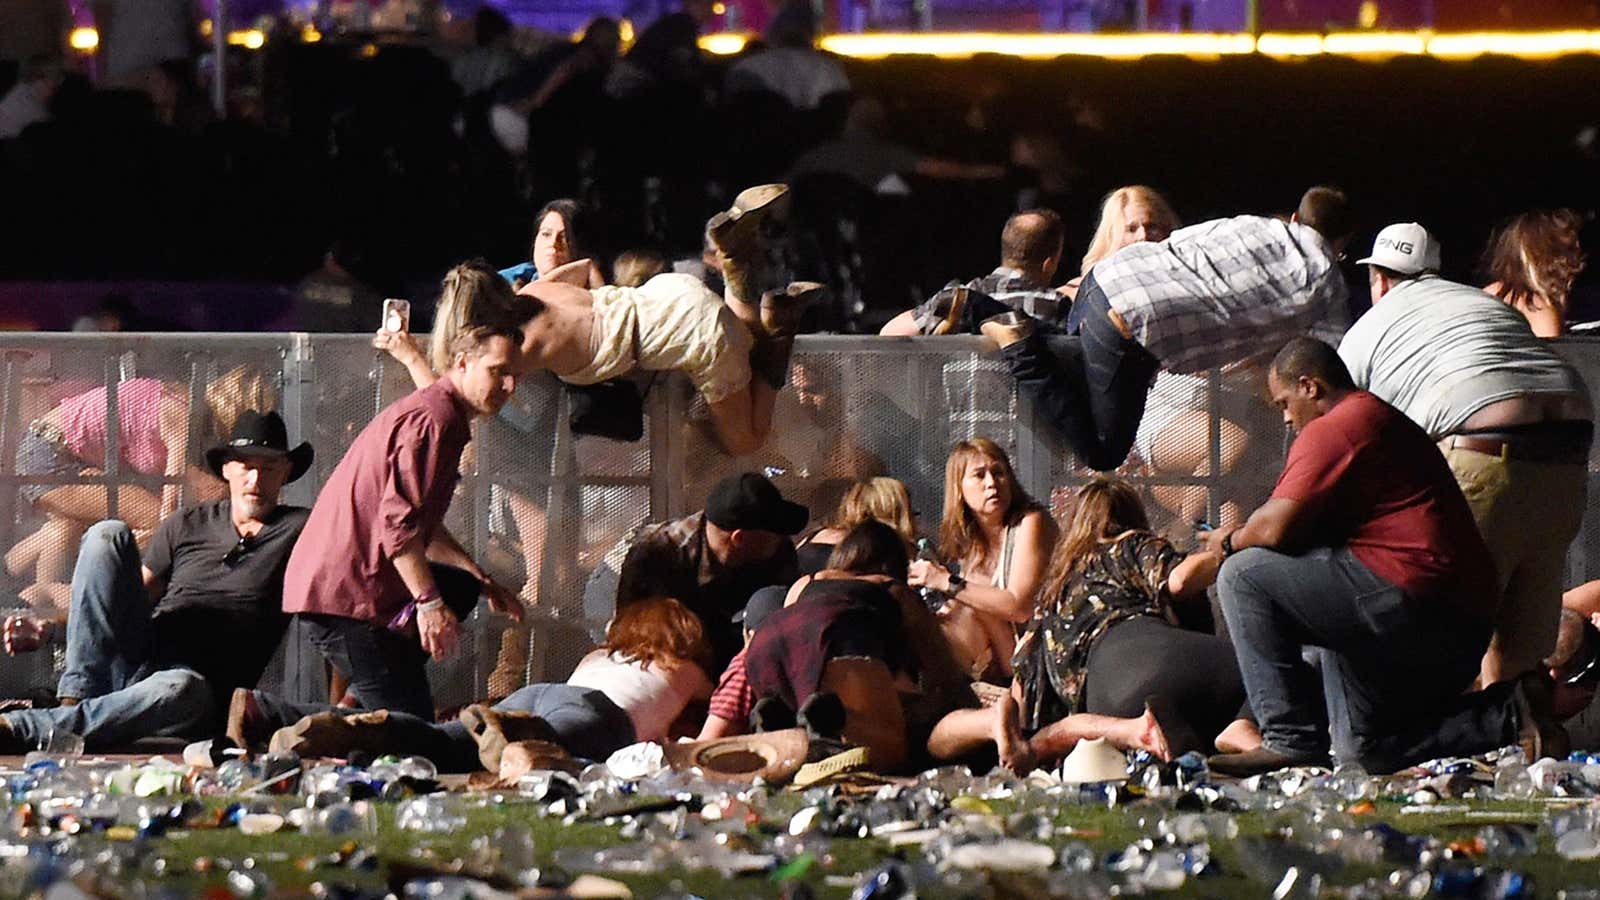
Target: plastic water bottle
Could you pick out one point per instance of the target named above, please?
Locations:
(932, 598)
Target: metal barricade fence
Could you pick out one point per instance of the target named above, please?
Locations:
(541, 507)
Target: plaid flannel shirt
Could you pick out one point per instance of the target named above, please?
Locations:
(1225, 290)
(1006, 285)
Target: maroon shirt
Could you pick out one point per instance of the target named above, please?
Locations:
(392, 486)
(1377, 483)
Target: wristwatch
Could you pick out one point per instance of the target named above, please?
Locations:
(956, 584)
(1227, 545)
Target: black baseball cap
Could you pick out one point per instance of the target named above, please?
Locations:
(763, 603)
(752, 501)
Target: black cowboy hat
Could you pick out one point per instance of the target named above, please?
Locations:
(260, 434)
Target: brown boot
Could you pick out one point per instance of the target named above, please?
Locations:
(494, 729)
(521, 757)
(1542, 734)
(247, 725)
(736, 233)
(738, 227)
(781, 310)
(332, 734)
(1007, 328)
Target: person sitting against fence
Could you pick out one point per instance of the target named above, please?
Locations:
(1209, 295)
(155, 640)
(1030, 253)
(562, 234)
(1367, 552)
(735, 350)
(884, 499)
(636, 686)
(379, 585)
(153, 433)
(1531, 263)
(999, 539)
(1108, 655)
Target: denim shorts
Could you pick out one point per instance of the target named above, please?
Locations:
(39, 455)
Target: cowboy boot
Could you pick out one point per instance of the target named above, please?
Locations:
(780, 319)
(333, 734)
(736, 234)
(493, 730)
(1007, 328)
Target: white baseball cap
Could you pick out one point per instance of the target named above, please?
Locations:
(1404, 247)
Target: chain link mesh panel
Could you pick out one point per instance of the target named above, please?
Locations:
(540, 507)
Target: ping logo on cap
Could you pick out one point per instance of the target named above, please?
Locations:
(1405, 247)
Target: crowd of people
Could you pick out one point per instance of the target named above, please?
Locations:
(1398, 597)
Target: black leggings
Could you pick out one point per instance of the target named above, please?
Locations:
(1145, 655)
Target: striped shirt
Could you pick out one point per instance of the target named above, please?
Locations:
(733, 699)
(1225, 290)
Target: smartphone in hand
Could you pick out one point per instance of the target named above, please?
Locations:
(396, 316)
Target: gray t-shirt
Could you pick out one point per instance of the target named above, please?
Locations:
(1440, 351)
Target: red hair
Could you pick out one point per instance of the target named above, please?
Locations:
(659, 631)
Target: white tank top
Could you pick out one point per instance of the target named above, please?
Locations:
(651, 697)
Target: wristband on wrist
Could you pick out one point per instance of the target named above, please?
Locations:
(956, 584)
(1227, 545)
(428, 599)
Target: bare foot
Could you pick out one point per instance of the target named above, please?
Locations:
(1015, 752)
(1151, 737)
(1241, 736)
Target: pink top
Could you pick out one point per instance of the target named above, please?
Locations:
(82, 420)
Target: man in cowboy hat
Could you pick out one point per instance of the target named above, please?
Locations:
(155, 639)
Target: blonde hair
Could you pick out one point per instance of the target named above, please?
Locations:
(879, 499)
(960, 532)
(632, 268)
(236, 390)
(473, 294)
(1113, 216)
(1106, 509)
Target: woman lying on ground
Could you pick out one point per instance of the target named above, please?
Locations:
(634, 687)
(734, 348)
(1002, 538)
(1105, 655)
(881, 498)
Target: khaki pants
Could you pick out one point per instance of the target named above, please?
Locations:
(1528, 513)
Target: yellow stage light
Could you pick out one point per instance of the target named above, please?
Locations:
(310, 34)
(1367, 16)
(722, 44)
(84, 40)
(1375, 43)
(249, 38)
(963, 45)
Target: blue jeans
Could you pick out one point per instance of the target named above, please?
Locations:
(123, 696)
(1091, 385)
(1393, 667)
(387, 669)
(586, 722)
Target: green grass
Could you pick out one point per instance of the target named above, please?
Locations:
(293, 861)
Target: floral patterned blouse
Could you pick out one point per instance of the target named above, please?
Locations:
(1126, 577)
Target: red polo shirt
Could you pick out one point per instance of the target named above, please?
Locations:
(1376, 483)
(393, 485)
